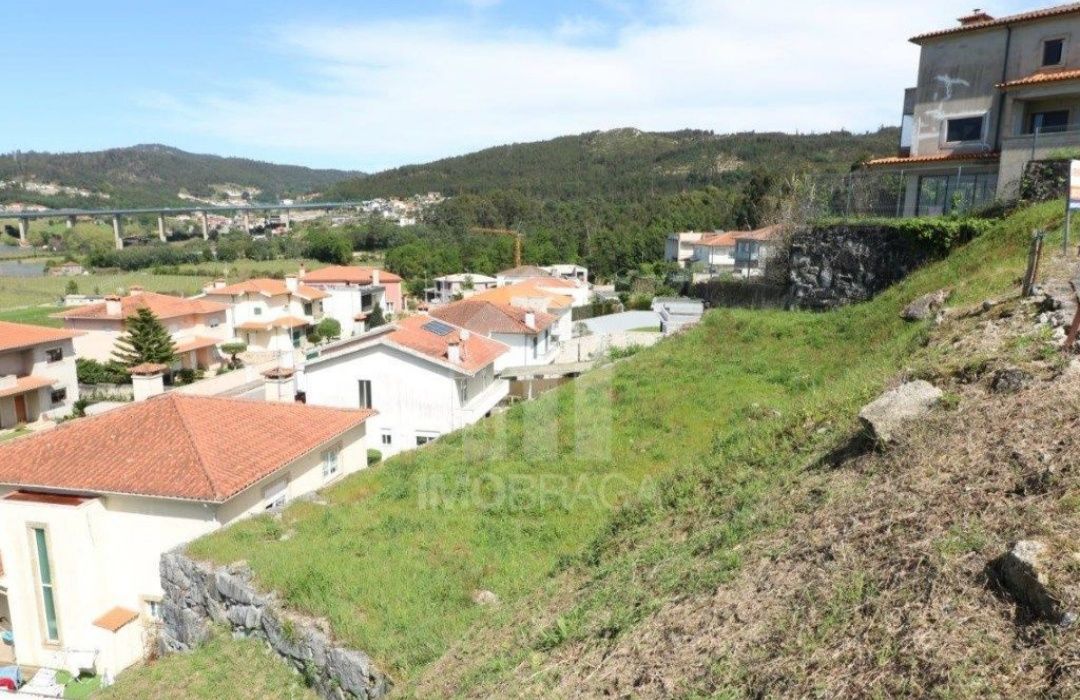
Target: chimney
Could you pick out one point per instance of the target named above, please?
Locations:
(219, 283)
(280, 386)
(977, 16)
(113, 307)
(465, 334)
(530, 319)
(147, 380)
(453, 352)
(290, 282)
(301, 272)
(135, 290)
(375, 275)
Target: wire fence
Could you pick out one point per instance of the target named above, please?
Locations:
(867, 193)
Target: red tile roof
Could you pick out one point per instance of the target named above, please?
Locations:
(940, 158)
(266, 287)
(762, 234)
(173, 446)
(486, 317)
(14, 336)
(971, 26)
(145, 369)
(477, 351)
(196, 343)
(115, 619)
(353, 274)
(288, 322)
(22, 385)
(525, 271)
(163, 306)
(528, 289)
(718, 240)
(1042, 77)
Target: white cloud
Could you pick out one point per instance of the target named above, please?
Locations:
(387, 93)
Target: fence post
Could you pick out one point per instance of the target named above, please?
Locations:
(900, 196)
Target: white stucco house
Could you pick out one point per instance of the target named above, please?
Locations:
(462, 285)
(528, 333)
(520, 274)
(568, 271)
(715, 252)
(679, 247)
(197, 325)
(88, 508)
(353, 291)
(423, 377)
(548, 295)
(269, 315)
(37, 373)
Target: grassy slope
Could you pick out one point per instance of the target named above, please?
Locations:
(733, 408)
(224, 668)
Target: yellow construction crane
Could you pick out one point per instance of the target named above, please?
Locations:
(518, 237)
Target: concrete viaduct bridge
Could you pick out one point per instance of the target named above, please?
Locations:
(117, 215)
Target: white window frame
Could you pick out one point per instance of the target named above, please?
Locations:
(276, 494)
(387, 438)
(331, 462)
(956, 117)
(39, 596)
(58, 349)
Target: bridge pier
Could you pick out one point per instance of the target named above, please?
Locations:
(161, 227)
(247, 223)
(116, 229)
(288, 221)
(24, 227)
(71, 221)
(205, 225)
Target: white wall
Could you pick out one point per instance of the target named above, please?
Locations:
(413, 396)
(34, 361)
(346, 301)
(521, 349)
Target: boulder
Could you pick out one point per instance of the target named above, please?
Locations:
(885, 415)
(1022, 572)
(925, 306)
(484, 597)
(1010, 380)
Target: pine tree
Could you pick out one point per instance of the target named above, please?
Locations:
(375, 318)
(144, 340)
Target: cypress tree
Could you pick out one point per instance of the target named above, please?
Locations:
(145, 339)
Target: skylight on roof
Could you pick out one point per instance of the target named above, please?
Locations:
(438, 328)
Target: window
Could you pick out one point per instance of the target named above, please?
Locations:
(214, 322)
(463, 391)
(258, 311)
(45, 580)
(941, 194)
(330, 460)
(152, 608)
(536, 347)
(54, 354)
(1053, 52)
(274, 495)
(964, 129)
(390, 307)
(387, 437)
(58, 396)
(422, 440)
(1049, 121)
(309, 309)
(364, 386)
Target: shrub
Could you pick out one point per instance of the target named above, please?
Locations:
(93, 372)
(374, 456)
(328, 328)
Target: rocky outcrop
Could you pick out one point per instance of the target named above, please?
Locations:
(1010, 380)
(925, 306)
(199, 596)
(831, 266)
(1022, 571)
(884, 417)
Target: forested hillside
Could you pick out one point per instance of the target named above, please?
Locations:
(624, 164)
(151, 175)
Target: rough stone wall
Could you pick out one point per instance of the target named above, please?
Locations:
(1044, 180)
(841, 264)
(200, 596)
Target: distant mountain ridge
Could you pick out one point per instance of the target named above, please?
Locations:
(623, 163)
(149, 175)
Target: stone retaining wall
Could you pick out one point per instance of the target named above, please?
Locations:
(841, 264)
(200, 596)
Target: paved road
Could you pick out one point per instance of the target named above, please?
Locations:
(626, 321)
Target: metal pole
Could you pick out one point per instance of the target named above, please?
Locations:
(1068, 227)
(900, 195)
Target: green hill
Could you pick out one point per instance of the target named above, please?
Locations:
(613, 510)
(152, 175)
(623, 163)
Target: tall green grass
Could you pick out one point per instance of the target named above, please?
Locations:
(709, 422)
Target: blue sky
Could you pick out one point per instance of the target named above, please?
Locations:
(369, 85)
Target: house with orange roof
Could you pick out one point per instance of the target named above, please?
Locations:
(715, 252)
(197, 326)
(423, 377)
(549, 295)
(992, 94)
(753, 248)
(269, 315)
(461, 285)
(37, 373)
(353, 291)
(531, 334)
(88, 508)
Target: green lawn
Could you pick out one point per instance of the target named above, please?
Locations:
(33, 315)
(223, 668)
